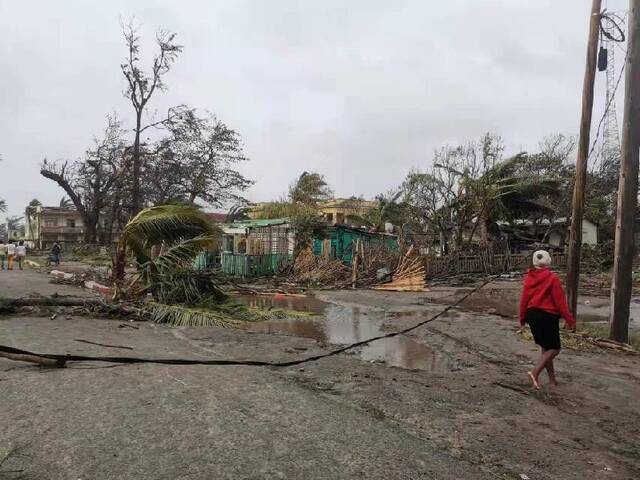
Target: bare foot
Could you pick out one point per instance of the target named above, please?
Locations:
(534, 380)
(553, 386)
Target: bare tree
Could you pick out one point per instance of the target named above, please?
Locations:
(140, 88)
(89, 183)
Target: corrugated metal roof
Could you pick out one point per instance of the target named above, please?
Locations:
(267, 222)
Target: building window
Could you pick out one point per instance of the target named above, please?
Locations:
(71, 222)
(50, 222)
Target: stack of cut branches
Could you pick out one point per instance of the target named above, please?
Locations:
(371, 259)
(409, 275)
(309, 269)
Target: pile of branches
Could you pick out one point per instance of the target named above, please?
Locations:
(597, 258)
(372, 263)
(318, 271)
(408, 276)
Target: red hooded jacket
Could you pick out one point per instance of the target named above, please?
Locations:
(542, 289)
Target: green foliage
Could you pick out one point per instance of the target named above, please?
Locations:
(506, 193)
(301, 209)
(308, 225)
(390, 209)
(471, 186)
(310, 188)
(181, 295)
(180, 233)
(227, 314)
(182, 316)
(276, 209)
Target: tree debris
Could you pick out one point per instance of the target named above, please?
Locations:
(409, 275)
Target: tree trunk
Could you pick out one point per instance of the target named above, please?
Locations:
(136, 194)
(459, 240)
(444, 243)
(484, 232)
(90, 231)
(119, 264)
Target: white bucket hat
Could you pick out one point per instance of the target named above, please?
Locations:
(541, 259)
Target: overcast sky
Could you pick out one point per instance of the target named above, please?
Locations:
(361, 91)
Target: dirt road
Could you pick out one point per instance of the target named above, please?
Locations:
(457, 407)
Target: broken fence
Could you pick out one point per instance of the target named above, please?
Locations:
(487, 263)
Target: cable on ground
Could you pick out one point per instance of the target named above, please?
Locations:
(63, 359)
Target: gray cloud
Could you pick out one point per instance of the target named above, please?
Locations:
(361, 91)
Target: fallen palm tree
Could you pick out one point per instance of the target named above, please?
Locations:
(165, 242)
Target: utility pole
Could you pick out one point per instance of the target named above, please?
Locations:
(621, 282)
(577, 210)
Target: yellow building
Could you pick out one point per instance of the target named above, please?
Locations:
(337, 211)
(346, 211)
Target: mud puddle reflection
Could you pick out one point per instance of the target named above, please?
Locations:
(341, 325)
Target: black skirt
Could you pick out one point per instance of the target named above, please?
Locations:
(545, 328)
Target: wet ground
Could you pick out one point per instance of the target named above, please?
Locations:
(469, 413)
(502, 296)
(342, 325)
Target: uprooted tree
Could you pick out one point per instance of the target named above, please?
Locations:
(164, 242)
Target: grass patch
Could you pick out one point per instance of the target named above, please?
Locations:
(601, 330)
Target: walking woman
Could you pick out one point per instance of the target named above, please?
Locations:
(21, 253)
(542, 304)
(11, 255)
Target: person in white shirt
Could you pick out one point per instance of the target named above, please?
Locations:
(11, 253)
(21, 252)
(3, 254)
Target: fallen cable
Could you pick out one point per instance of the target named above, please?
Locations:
(59, 361)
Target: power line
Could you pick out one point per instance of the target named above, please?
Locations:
(611, 35)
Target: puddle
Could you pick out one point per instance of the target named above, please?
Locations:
(298, 304)
(341, 325)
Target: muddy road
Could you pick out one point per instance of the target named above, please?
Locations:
(449, 401)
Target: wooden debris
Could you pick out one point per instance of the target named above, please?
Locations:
(409, 275)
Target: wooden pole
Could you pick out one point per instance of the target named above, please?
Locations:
(577, 211)
(621, 282)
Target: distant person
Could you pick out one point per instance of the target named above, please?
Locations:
(11, 255)
(21, 253)
(55, 254)
(3, 254)
(541, 305)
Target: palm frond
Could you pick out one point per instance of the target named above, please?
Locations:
(181, 232)
(227, 314)
(181, 316)
(167, 224)
(183, 253)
